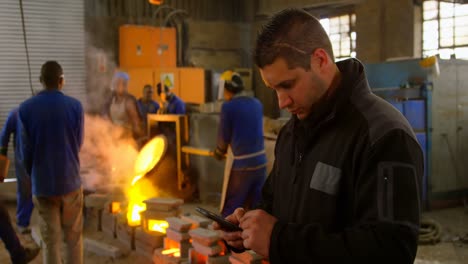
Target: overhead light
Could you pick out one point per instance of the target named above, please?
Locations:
(155, 2)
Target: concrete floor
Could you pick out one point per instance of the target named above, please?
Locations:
(130, 256)
(451, 250)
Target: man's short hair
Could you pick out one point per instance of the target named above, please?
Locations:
(292, 34)
(147, 86)
(235, 84)
(51, 72)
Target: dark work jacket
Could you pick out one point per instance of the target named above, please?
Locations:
(345, 182)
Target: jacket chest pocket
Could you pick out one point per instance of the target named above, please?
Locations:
(326, 178)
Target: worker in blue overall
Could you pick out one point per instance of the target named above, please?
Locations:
(172, 103)
(240, 140)
(24, 205)
(146, 104)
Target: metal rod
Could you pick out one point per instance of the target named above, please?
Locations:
(197, 151)
(171, 14)
(10, 180)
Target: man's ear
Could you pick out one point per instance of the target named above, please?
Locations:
(62, 80)
(319, 59)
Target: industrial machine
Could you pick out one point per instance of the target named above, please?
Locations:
(152, 55)
(148, 55)
(434, 99)
(156, 54)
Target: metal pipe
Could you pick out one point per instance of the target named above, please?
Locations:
(155, 13)
(159, 9)
(172, 13)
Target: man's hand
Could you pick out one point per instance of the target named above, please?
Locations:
(234, 239)
(217, 154)
(257, 226)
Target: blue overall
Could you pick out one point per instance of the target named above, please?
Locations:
(51, 125)
(175, 105)
(23, 194)
(241, 128)
(147, 108)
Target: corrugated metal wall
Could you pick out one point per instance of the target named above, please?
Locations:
(14, 85)
(210, 10)
(55, 31)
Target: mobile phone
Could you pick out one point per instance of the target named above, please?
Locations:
(225, 224)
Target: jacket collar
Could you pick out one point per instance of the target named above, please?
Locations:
(50, 91)
(353, 81)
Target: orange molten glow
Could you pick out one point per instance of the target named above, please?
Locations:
(155, 2)
(115, 207)
(140, 188)
(136, 178)
(158, 225)
(150, 155)
(171, 251)
(133, 214)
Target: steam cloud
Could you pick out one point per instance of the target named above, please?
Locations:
(107, 156)
(101, 67)
(108, 153)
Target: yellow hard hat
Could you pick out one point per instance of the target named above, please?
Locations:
(227, 75)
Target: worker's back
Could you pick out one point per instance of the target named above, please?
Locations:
(245, 116)
(51, 126)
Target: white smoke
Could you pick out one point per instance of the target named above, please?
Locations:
(101, 68)
(108, 153)
(107, 156)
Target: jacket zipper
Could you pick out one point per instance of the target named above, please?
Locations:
(298, 166)
(385, 192)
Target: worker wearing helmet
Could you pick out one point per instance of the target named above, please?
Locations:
(240, 136)
(123, 110)
(172, 104)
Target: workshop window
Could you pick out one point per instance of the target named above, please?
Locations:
(445, 29)
(342, 32)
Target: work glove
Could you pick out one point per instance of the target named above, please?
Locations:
(217, 154)
(3, 151)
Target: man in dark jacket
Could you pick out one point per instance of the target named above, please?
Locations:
(345, 182)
